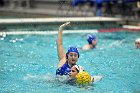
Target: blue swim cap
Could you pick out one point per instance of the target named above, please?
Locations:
(90, 38)
(72, 49)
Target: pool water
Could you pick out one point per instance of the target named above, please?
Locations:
(28, 63)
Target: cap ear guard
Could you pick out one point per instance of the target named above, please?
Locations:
(67, 55)
(72, 49)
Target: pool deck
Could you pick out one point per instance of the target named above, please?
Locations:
(59, 19)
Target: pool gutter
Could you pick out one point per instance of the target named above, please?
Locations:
(57, 20)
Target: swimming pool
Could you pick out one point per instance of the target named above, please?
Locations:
(28, 63)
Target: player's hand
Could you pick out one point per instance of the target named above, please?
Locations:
(63, 25)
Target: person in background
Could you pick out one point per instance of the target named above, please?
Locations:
(137, 43)
(92, 42)
(1, 3)
(66, 60)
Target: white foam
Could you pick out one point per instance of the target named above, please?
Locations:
(97, 78)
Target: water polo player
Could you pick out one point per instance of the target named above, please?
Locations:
(80, 77)
(66, 60)
(92, 42)
(137, 43)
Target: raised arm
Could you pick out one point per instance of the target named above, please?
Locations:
(60, 50)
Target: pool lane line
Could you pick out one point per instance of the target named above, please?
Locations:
(119, 29)
(46, 32)
(131, 27)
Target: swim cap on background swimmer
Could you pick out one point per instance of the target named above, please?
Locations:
(137, 40)
(83, 78)
(72, 49)
(90, 38)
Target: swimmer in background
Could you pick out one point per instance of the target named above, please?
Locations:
(92, 42)
(66, 60)
(137, 43)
